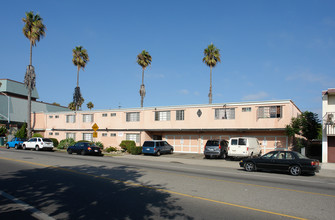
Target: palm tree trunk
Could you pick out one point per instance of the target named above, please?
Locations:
(78, 76)
(142, 93)
(142, 76)
(210, 87)
(29, 93)
(31, 54)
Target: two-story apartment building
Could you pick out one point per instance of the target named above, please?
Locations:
(186, 127)
(328, 126)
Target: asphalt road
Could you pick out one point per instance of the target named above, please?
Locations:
(53, 185)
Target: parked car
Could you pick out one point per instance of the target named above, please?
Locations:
(84, 148)
(38, 144)
(244, 147)
(216, 148)
(288, 161)
(156, 147)
(15, 143)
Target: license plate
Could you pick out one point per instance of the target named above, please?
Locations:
(148, 148)
(95, 150)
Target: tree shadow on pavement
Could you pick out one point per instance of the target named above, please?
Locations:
(90, 192)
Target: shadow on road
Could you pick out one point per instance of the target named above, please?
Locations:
(89, 192)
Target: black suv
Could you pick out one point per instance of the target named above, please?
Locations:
(216, 148)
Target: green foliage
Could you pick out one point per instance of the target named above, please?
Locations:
(144, 59)
(3, 131)
(212, 56)
(90, 105)
(22, 132)
(125, 145)
(111, 149)
(99, 144)
(54, 141)
(38, 135)
(307, 125)
(65, 143)
(134, 150)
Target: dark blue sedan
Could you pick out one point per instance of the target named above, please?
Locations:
(287, 161)
(84, 148)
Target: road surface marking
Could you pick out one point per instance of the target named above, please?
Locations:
(154, 188)
(35, 212)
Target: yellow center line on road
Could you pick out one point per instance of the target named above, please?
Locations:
(154, 188)
(248, 184)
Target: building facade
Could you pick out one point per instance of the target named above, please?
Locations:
(328, 126)
(186, 127)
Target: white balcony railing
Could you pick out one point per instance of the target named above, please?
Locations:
(329, 123)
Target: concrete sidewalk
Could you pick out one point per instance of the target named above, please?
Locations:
(327, 169)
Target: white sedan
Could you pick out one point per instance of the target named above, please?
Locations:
(38, 144)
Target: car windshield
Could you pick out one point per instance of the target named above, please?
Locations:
(268, 155)
(46, 140)
(300, 156)
(148, 144)
(212, 143)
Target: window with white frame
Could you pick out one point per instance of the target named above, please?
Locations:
(225, 113)
(133, 137)
(56, 116)
(113, 134)
(104, 134)
(71, 135)
(51, 116)
(269, 112)
(50, 133)
(162, 116)
(88, 136)
(180, 115)
(56, 133)
(87, 118)
(246, 109)
(132, 116)
(113, 114)
(104, 115)
(70, 119)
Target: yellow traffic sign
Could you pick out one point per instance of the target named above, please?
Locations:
(95, 127)
(95, 134)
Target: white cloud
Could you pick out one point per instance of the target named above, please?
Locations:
(184, 92)
(257, 96)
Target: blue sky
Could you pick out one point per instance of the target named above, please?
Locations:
(270, 50)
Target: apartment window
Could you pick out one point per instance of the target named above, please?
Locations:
(71, 135)
(113, 114)
(56, 133)
(104, 134)
(56, 116)
(269, 112)
(113, 134)
(50, 116)
(88, 136)
(225, 113)
(104, 115)
(162, 116)
(180, 115)
(50, 133)
(133, 137)
(70, 119)
(132, 116)
(87, 118)
(247, 109)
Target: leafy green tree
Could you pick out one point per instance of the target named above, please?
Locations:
(90, 105)
(80, 59)
(212, 56)
(34, 30)
(65, 143)
(307, 125)
(71, 106)
(22, 132)
(143, 59)
(38, 135)
(56, 104)
(3, 131)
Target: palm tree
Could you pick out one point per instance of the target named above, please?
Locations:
(212, 56)
(34, 30)
(80, 59)
(90, 105)
(143, 59)
(71, 106)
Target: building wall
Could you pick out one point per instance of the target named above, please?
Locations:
(328, 130)
(188, 135)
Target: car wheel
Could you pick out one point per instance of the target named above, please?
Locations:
(7, 146)
(82, 152)
(207, 156)
(69, 151)
(16, 146)
(158, 153)
(171, 151)
(24, 147)
(37, 148)
(295, 170)
(249, 166)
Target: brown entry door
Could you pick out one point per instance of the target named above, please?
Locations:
(331, 149)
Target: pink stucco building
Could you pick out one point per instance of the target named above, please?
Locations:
(186, 127)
